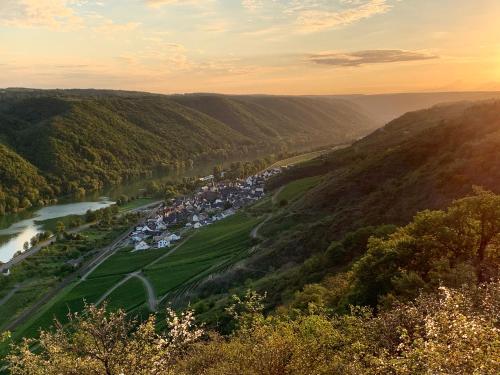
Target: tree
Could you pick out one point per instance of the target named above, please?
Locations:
(456, 246)
(100, 342)
(60, 228)
(26, 246)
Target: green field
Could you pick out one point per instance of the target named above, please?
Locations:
(18, 302)
(206, 251)
(126, 261)
(128, 296)
(297, 188)
(72, 298)
(136, 203)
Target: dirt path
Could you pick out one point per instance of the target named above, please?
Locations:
(114, 287)
(274, 199)
(255, 231)
(152, 301)
(9, 295)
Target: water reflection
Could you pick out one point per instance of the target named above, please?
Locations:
(15, 235)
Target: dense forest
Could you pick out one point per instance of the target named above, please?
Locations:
(318, 245)
(71, 142)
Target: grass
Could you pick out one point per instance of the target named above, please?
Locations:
(15, 304)
(72, 299)
(128, 296)
(208, 249)
(299, 159)
(136, 203)
(297, 188)
(126, 261)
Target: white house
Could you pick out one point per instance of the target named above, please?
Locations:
(141, 246)
(197, 225)
(163, 243)
(173, 237)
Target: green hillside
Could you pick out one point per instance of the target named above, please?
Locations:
(423, 160)
(80, 141)
(21, 184)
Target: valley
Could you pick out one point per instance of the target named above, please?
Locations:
(309, 240)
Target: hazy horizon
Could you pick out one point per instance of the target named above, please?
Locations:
(309, 47)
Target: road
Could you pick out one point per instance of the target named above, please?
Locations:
(35, 249)
(255, 231)
(103, 254)
(152, 300)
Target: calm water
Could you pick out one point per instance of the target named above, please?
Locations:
(16, 229)
(18, 232)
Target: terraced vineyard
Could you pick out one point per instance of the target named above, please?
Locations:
(171, 272)
(205, 252)
(297, 188)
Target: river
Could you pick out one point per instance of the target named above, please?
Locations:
(16, 229)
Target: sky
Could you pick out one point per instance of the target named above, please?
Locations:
(251, 46)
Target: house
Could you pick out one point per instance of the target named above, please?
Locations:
(197, 225)
(163, 243)
(173, 237)
(141, 246)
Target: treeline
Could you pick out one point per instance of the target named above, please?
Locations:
(73, 143)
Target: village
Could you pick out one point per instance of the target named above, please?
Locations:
(212, 202)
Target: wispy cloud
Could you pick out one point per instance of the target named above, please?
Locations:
(160, 3)
(360, 58)
(54, 14)
(313, 20)
(110, 27)
(309, 16)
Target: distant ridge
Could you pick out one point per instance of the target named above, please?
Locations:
(72, 141)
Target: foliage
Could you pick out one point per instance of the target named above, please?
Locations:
(98, 342)
(72, 143)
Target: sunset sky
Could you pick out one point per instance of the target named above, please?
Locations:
(251, 46)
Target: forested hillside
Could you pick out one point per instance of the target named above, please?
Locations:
(423, 160)
(81, 140)
(379, 258)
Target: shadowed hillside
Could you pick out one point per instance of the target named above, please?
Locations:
(82, 140)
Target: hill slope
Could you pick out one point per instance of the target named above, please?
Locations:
(82, 140)
(423, 160)
(387, 107)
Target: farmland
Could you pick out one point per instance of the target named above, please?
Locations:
(297, 188)
(206, 251)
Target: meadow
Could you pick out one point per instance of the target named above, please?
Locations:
(206, 251)
(296, 189)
